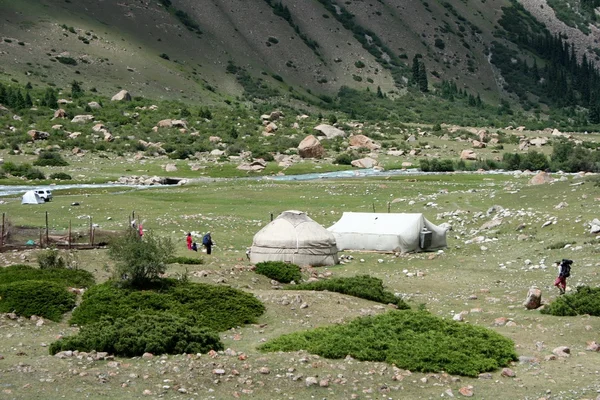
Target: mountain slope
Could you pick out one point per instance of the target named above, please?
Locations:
(209, 49)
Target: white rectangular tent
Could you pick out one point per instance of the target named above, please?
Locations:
(398, 232)
(31, 197)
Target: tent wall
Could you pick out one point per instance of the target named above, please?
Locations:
(31, 197)
(385, 232)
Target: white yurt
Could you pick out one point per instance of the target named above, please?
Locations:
(294, 237)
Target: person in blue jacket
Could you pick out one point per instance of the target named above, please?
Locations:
(207, 242)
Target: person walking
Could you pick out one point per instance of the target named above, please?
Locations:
(207, 242)
(188, 240)
(564, 271)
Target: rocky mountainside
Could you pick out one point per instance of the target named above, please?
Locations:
(209, 49)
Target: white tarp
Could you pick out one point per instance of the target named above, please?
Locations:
(31, 197)
(398, 232)
(294, 237)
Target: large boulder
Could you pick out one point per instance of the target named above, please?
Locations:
(3, 110)
(82, 119)
(539, 141)
(310, 147)
(468, 155)
(165, 123)
(362, 141)
(60, 113)
(330, 132)
(94, 105)
(534, 298)
(541, 178)
(38, 135)
(366, 162)
(123, 95)
(179, 123)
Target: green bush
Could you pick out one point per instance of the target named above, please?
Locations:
(413, 340)
(61, 176)
(25, 170)
(585, 300)
(185, 260)
(133, 336)
(45, 299)
(50, 259)
(280, 271)
(216, 307)
(140, 260)
(50, 158)
(66, 277)
(363, 286)
(344, 159)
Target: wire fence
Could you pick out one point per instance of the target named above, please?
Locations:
(17, 237)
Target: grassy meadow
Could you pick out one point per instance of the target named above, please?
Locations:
(486, 279)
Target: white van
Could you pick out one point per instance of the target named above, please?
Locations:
(45, 194)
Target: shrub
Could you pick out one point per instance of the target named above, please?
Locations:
(280, 271)
(66, 60)
(24, 170)
(66, 277)
(45, 299)
(185, 260)
(216, 307)
(61, 176)
(344, 159)
(363, 286)
(585, 300)
(50, 259)
(133, 336)
(413, 340)
(140, 260)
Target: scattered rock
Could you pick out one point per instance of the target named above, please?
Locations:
(541, 178)
(330, 132)
(562, 351)
(507, 372)
(468, 155)
(123, 95)
(311, 147)
(82, 119)
(366, 162)
(534, 298)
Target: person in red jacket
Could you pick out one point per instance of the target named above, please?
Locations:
(189, 241)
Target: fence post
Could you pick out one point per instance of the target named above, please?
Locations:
(41, 240)
(69, 234)
(47, 228)
(2, 233)
(389, 206)
(91, 239)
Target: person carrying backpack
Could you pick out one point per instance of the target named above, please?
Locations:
(207, 242)
(564, 271)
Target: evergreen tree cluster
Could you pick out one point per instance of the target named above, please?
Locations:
(419, 73)
(14, 98)
(561, 79)
(449, 91)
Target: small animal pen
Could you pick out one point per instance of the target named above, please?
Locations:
(15, 237)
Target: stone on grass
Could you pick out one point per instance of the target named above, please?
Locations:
(534, 298)
(562, 351)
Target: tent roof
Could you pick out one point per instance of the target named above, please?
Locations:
(379, 223)
(293, 229)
